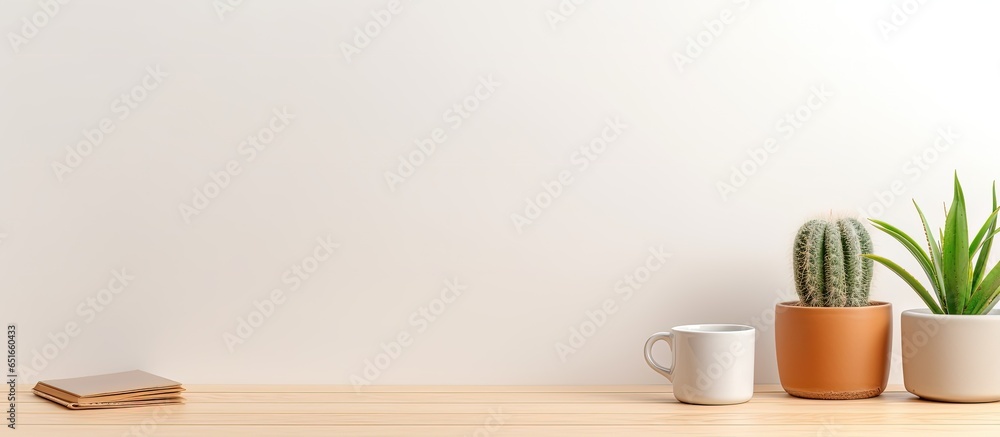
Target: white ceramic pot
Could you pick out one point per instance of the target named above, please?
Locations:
(951, 358)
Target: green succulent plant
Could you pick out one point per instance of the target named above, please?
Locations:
(956, 267)
(829, 268)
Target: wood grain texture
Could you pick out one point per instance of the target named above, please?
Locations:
(263, 410)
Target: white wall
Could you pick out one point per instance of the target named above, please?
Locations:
(324, 175)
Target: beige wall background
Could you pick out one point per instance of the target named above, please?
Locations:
(514, 192)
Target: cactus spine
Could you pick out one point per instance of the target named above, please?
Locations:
(829, 268)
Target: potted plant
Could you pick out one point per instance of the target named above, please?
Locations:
(833, 343)
(951, 350)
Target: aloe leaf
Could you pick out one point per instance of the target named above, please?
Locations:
(990, 307)
(992, 303)
(986, 292)
(989, 302)
(990, 237)
(979, 268)
(988, 228)
(937, 281)
(918, 252)
(980, 241)
(987, 245)
(955, 254)
(909, 279)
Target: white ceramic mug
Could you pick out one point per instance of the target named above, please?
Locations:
(711, 364)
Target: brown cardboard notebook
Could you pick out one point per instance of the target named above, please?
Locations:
(114, 390)
(99, 405)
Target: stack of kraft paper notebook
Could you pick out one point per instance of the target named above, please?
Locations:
(114, 390)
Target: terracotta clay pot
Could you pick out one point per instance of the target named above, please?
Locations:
(833, 353)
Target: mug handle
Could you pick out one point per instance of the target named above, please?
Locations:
(665, 371)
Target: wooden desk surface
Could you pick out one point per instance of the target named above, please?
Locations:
(259, 410)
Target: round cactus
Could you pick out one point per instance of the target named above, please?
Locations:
(829, 268)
